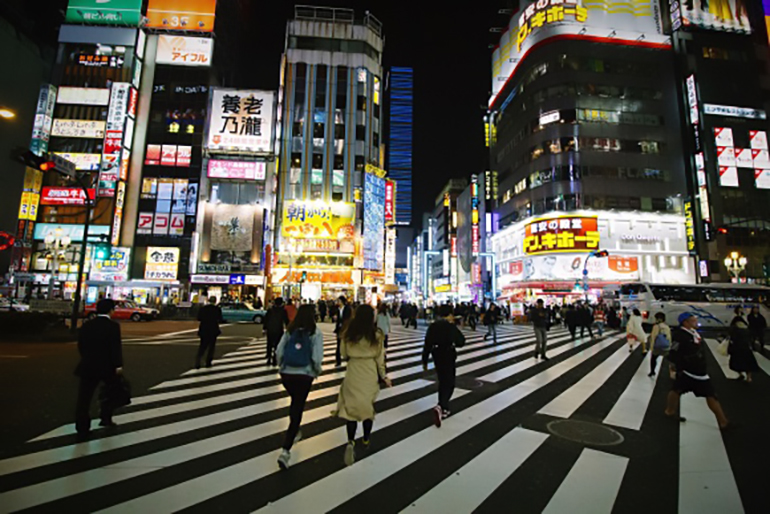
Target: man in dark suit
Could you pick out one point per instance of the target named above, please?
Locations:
(276, 320)
(210, 317)
(346, 312)
(101, 360)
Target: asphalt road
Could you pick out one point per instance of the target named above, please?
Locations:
(38, 388)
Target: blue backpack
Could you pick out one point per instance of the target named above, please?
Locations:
(662, 342)
(299, 350)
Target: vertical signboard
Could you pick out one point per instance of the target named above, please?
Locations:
(374, 222)
(41, 129)
(390, 201)
(689, 227)
(475, 236)
(241, 121)
(113, 139)
(390, 256)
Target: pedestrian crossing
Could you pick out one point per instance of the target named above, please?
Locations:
(208, 440)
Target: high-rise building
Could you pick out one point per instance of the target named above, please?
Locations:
(332, 186)
(400, 141)
(585, 135)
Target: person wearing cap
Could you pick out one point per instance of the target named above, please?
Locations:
(688, 366)
(101, 360)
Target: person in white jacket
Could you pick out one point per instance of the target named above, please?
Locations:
(635, 331)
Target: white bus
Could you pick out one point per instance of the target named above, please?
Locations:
(714, 304)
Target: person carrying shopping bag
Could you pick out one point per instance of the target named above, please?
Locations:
(660, 340)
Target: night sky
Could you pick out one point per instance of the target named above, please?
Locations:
(449, 50)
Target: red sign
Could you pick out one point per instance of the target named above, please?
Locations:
(390, 201)
(146, 220)
(623, 264)
(153, 155)
(168, 155)
(65, 196)
(454, 246)
(6, 241)
(563, 234)
(113, 142)
(184, 156)
(133, 99)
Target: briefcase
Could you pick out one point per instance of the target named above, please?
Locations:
(116, 394)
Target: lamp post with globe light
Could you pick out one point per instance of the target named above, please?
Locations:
(736, 264)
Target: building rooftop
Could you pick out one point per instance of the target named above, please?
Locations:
(336, 15)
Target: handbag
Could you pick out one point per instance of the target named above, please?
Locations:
(116, 394)
(724, 347)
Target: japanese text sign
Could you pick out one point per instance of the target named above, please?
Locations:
(195, 15)
(390, 201)
(237, 170)
(563, 234)
(185, 51)
(65, 196)
(162, 263)
(241, 121)
(318, 220)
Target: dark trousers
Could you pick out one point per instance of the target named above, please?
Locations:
(86, 391)
(352, 426)
(386, 342)
(207, 347)
(653, 362)
(411, 322)
(272, 344)
(472, 323)
(583, 328)
(298, 387)
(446, 382)
(338, 353)
(572, 331)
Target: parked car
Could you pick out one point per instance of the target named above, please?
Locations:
(125, 309)
(6, 305)
(234, 312)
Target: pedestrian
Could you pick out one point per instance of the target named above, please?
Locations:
(101, 361)
(258, 305)
(291, 309)
(612, 319)
(635, 332)
(383, 322)
(362, 347)
(660, 339)
(541, 320)
(210, 316)
(300, 356)
(276, 320)
(585, 320)
(624, 317)
(322, 307)
(742, 359)
(490, 320)
(345, 313)
(473, 316)
(599, 319)
(403, 313)
(688, 366)
(441, 341)
(758, 326)
(571, 320)
(413, 311)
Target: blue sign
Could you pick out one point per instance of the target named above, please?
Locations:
(237, 280)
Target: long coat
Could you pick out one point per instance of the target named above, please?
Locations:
(360, 388)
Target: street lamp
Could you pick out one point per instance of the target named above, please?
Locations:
(56, 243)
(735, 265)
(595, 253)
(292, 249)
(7, 113)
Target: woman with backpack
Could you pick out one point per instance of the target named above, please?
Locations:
(299, 355)
(660, 340)
(362, 348)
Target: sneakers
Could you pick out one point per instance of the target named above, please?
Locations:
(438, 415)
(283, 459)
(445, 414)
(298, 437)
(350, 453)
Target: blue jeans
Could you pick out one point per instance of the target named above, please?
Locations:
(599, 327)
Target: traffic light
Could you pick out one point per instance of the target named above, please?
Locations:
(31, 160)
(602, 253)
(723, 230)
(102, 251)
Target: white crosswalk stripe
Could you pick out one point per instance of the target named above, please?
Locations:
(210, 437)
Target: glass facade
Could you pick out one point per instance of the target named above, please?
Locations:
(401, 121)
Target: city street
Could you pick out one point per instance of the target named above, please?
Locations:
(582, 432)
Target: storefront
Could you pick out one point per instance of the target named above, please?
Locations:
(233, 288)
(548, 257)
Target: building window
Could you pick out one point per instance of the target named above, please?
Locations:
(360, 163)
(339, 162)
(316, 176)
(296, 160)
(318, 161)
(360, 133)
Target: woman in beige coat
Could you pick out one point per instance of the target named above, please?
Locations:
(362, 348)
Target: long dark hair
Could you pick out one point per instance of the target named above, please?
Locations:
(361, 326)
(305, 318)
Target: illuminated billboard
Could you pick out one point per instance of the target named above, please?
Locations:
(241, 121)
(195, 15)
(633, 22)
(374, 222)
(101, 12)
(562, 234)
(184, 51)
(724, 15)
(320, 220)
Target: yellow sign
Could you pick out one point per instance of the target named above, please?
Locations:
(162, 264)
(689, 224)
(28, 206)
(374, 170)
(319, 220)
(562, 234)
(545, 12)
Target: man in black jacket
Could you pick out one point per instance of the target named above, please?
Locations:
(210, 316)
(276, 320)
(541, 320)
(101, 360)
(442, 338)
(346, 312)
(688, 362)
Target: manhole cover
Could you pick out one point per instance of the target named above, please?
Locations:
(585, 432)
